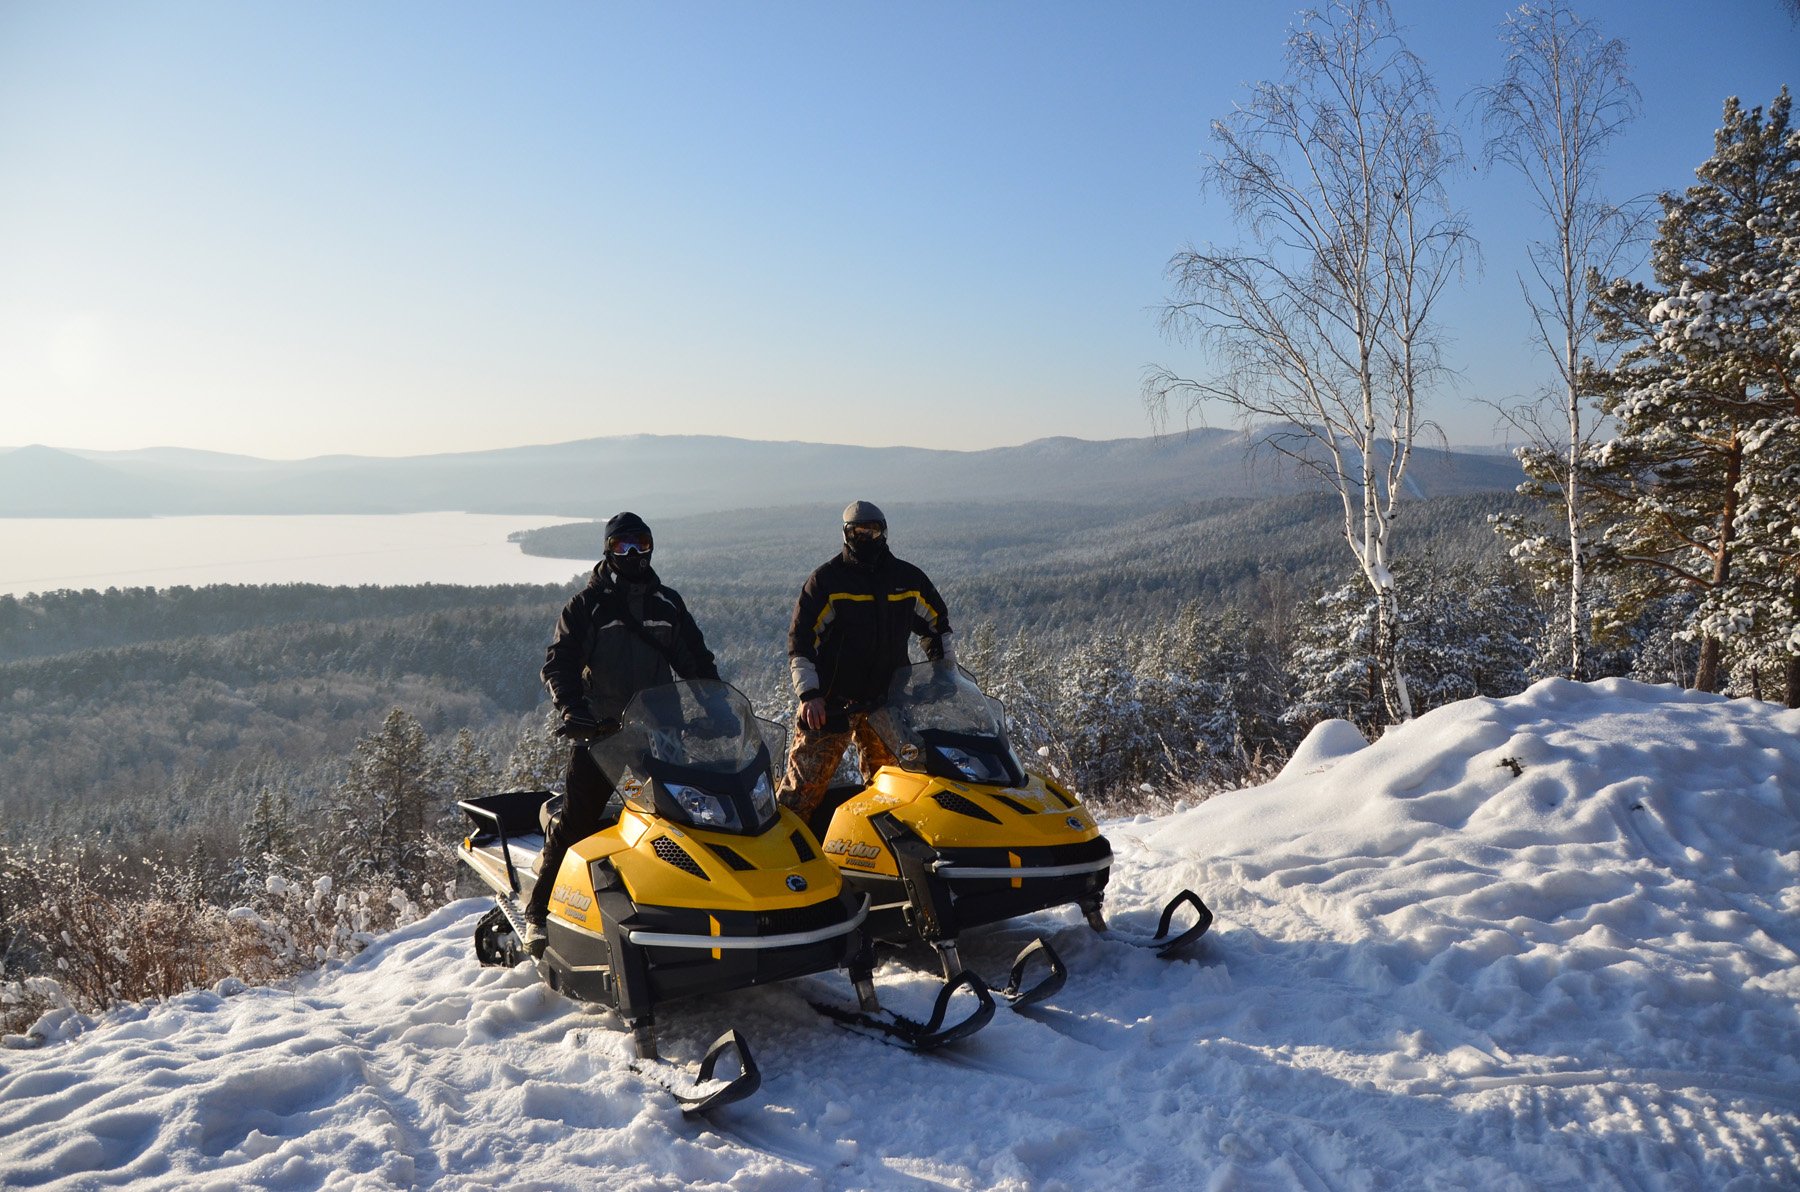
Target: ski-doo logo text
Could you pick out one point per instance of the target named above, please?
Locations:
(573, 897)
(850, 848)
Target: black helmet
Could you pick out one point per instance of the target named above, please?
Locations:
(628, 545)
(627, 530)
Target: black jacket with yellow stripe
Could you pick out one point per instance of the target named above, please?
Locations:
(852, 624)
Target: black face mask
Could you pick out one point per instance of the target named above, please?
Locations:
(634, 567)
(866, 550)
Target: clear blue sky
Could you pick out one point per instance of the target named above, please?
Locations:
(292, 229)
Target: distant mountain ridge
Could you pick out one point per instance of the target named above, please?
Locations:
(683, 474)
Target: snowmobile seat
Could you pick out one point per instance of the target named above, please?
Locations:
(835, 797)
(505, 815)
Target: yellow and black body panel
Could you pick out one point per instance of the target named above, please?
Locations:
(936, 856)
(646, 910)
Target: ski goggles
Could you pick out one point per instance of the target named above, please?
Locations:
(865, 531)
(628, 546)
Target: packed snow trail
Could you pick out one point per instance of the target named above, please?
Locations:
(1540, 942)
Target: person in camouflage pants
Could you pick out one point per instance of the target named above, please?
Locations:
(815, 756)
(852, 625)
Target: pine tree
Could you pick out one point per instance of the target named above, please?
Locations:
(1212, 695)
(1697, 483)
(538, 759)
(270, 831)
(466, 770)
(1102, 717)
(389, 809)
(1469, 633)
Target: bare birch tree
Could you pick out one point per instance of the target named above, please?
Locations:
(1323, 324)
(1563, 96)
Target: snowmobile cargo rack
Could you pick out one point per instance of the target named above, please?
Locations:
(508, 814)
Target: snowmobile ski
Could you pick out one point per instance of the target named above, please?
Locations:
(703, 1091)
(1037, 949)
(885, 1026)
(1164, 945)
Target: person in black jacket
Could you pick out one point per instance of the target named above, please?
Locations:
(852, 625)
(622, 633)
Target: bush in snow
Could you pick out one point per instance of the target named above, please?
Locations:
(84, 932)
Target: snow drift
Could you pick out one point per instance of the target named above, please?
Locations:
(1546, 941)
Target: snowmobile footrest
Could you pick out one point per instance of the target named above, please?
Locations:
(1052, 981)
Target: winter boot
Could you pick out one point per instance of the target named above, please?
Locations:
(535, 938)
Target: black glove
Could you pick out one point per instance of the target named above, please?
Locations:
(937, 689)
(578, 726)
(718, 721)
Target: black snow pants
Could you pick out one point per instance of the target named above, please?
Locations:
(583, 814)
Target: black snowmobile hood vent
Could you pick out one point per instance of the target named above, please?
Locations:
(826, 913)
(675, 855)
(802, 849)
(729, 857)
(951, 801)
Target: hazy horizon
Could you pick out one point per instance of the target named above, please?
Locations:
(154, 448)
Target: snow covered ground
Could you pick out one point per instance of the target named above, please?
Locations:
(1541, 942)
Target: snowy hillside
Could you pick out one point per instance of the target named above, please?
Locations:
(1541, 942)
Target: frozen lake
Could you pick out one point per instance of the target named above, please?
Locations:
(48, 554)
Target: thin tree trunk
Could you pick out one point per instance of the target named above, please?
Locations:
(1793, 663)
(1577, 575)
(1706, 677)
(1572, 491)
(1711, 649)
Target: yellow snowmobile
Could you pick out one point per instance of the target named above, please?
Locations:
(702, 884)
(957, 834)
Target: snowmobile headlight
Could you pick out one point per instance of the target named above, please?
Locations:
(762, 799)
(701, 809)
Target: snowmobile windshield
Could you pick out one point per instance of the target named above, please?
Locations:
(938, 721)
(692, 752)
